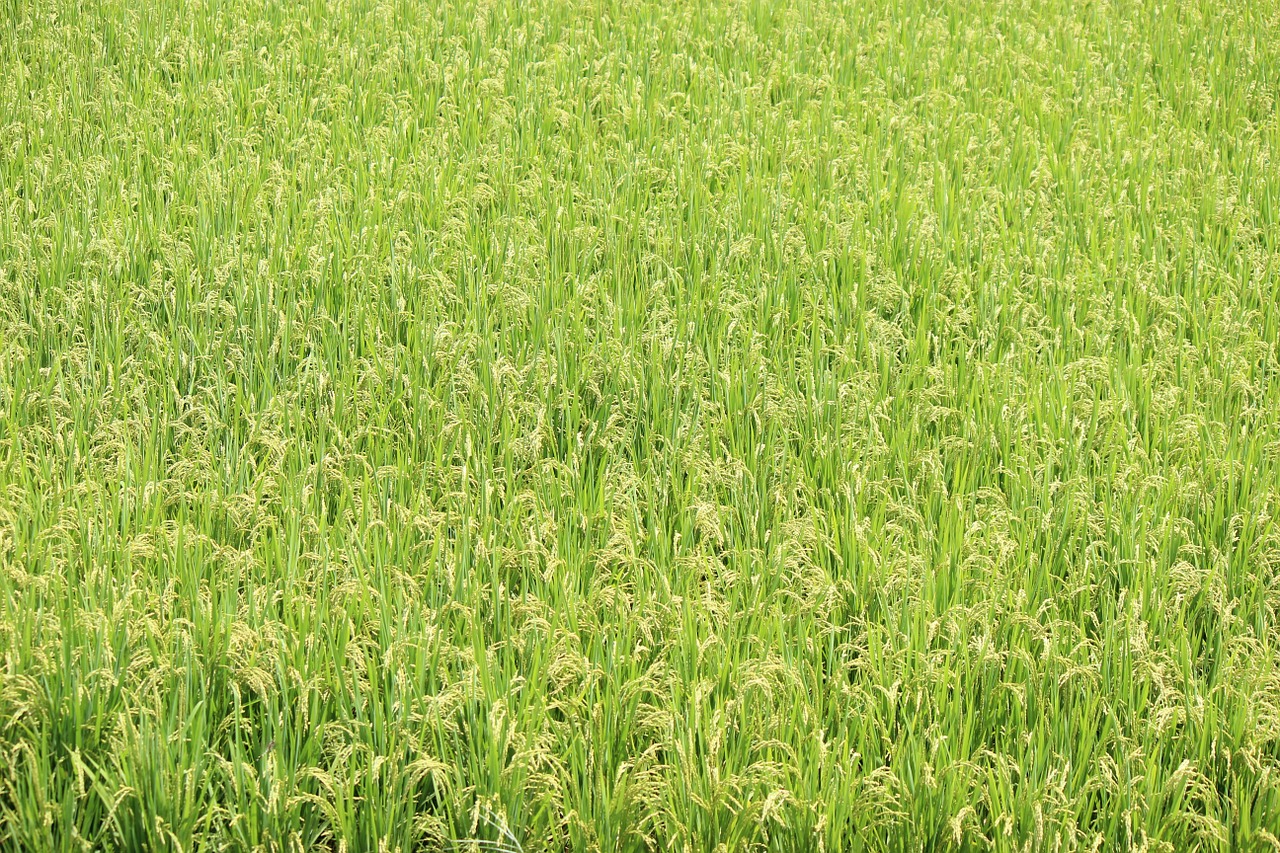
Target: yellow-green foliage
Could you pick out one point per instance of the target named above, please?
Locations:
(628, 426)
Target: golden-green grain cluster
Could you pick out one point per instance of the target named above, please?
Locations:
(731, 425)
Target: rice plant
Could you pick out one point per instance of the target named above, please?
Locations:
(733, 425)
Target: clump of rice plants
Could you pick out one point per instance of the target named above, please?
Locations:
(739, 425)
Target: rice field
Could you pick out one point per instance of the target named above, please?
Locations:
(734, 425)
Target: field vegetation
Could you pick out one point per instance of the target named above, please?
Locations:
(639, 426)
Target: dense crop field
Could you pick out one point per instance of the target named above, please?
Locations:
(639, 426)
